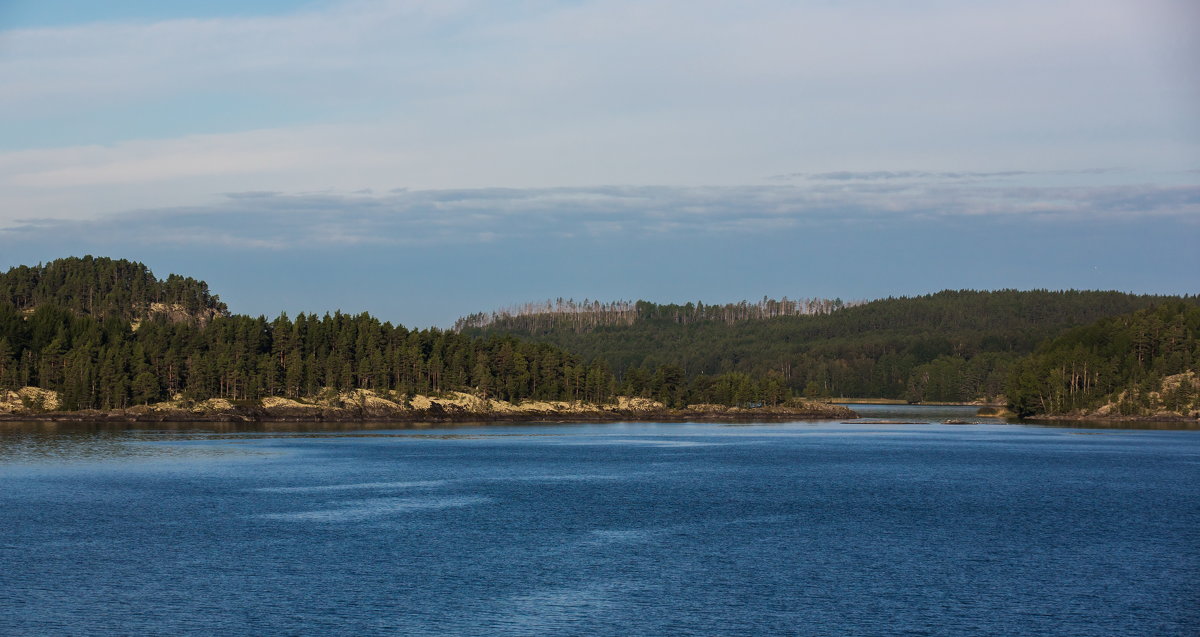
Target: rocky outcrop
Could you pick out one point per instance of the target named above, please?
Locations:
(28, 400)
(1177, 399)
(365, 405)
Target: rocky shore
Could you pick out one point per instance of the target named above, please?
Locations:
(366, 406)
(1092, 417)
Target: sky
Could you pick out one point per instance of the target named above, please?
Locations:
(422, 160)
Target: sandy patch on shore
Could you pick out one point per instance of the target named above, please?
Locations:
(27, 398)
(212, 404)
(279, 401)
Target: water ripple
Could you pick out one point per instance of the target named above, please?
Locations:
(375, 507)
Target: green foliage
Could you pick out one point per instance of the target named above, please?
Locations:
(949, 346)
(96, 365)
(68, 326)
(104, 287)
(145, 388)
(1122, 359)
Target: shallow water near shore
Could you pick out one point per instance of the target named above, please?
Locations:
(612, 529)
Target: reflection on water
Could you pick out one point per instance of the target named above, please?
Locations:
(75, 427)
(1156, 425)
(925, 413)
(50, 442)
(969, 413)
(37, 441)
(34, 441)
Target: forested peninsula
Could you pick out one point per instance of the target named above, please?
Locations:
(1133, 366)
(957, 346)
(99, 338)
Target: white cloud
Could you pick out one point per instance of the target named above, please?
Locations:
(263, 220)
(467, 94)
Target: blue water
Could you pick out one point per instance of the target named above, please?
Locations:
(609, 529)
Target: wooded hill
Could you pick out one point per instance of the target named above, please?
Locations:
(107, 334)
(587, 315)
(1134, 364)
(104, 288)
(948, 346)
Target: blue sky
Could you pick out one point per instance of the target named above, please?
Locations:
(18, 14)
(426, 159)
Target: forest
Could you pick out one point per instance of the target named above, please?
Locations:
(952, 346)
(107, 334)
(104, 287)
(1136, 363)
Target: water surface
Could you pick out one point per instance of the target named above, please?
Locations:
(617, 529)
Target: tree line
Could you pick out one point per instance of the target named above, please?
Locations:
(588, 315)
(955, 345)
(88, 329)
(94, 342)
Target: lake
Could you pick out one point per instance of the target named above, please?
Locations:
(807, 528)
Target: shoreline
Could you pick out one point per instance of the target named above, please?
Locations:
(898, 401)
(1163, 418)
(440, 413)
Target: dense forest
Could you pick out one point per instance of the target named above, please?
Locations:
(1135, 363)
(949, 346)
(108, 334)
(95, 330)
(105, 288)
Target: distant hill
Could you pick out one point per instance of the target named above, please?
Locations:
(948, 346)
(104, 288)
(587, 315)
